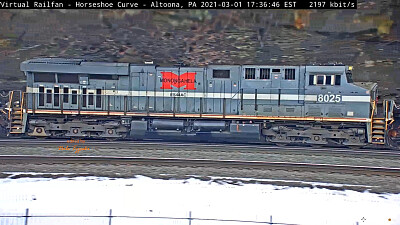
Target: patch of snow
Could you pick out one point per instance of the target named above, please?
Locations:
(147, 197)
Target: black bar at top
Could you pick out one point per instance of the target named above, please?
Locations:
(178, 4)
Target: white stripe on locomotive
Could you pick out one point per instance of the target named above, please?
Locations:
(237, 96)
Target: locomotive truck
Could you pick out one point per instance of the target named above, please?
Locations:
(308, 104)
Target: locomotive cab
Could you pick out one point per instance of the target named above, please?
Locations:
(335, 95)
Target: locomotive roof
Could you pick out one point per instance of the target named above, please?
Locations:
(62, 65)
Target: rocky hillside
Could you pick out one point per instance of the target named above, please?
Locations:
(367, 38)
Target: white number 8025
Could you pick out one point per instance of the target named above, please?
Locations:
(329, 98)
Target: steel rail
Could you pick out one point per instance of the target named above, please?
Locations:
(183, 162)
(253, 148)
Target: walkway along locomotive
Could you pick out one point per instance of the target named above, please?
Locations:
(75, 98)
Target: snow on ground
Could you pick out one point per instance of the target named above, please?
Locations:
(147, 197)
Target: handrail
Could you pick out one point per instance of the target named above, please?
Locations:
(10, 105)
(386, 114)
(372, 115)
(22, 104)
(389, 119)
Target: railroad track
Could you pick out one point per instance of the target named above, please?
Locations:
(182, 162)
(216, 147)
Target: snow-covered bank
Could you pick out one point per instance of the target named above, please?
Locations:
(146, 197)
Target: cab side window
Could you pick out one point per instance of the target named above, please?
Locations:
(324, 80)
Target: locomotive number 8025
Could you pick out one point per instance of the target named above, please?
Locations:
(75, 98)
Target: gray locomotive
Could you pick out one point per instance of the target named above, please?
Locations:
(74, 98)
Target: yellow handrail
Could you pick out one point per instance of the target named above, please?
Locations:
(372, 115)
(9, 105)
(22, 104)
(386, 115)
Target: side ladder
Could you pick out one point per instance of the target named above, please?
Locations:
(381, 124)
(378, 131)
(16, 115)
